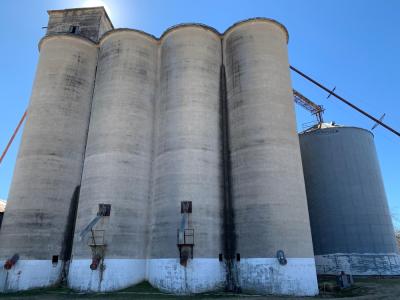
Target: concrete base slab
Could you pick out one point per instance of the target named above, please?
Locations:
(29, 274)
(117, 274)
(200, 275)
(358, 264)
(256, 275)
(267, 276)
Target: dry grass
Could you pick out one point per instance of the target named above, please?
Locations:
(365, 289)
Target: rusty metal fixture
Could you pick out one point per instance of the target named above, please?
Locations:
(185, 245)
(95, 262)
(11, 262)
(186, 252)
(280, 255)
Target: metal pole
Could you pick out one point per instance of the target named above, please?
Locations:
(345, 101)
(12, 137)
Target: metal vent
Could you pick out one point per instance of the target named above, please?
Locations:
(186, 207)
(104, 210)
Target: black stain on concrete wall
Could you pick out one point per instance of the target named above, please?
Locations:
(228, 216)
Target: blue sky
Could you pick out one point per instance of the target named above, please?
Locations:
(353, 45)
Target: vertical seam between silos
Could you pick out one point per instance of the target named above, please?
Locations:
(229, 239)
(150, 197)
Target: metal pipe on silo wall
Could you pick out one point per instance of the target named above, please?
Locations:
(118, 163)
(187, 161)
(350, 219)
(49, 164)
(267, 181)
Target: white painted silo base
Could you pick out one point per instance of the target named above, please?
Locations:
(29, 274)
(369, 264)
(200, 275)
(267, 276)
(118, 274)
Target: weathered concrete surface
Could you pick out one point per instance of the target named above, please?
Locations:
(267, 276)
(199, 276)
(28, 274)
(49, 164)
(118, 274)
(386, 264)
(347, 202)
(268, 187)
(92, 22)
(119, 148)
(187, 147)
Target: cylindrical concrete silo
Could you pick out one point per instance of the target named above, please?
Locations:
(117, 165)
(45, 187)
(187, 161)
(350, 219)
(268, 190)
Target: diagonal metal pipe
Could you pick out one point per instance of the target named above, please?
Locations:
(331, 92)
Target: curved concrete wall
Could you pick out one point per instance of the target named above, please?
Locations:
(47, 175)
(187, 161)
(156, 137)
(269, 197)
(118, 163)
(350, 219)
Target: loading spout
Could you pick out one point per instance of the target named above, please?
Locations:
(11, 262)
(89, 227)
(104, 211)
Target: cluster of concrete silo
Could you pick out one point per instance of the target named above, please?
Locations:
(175, 160)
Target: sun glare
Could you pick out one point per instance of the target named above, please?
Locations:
(94, 3)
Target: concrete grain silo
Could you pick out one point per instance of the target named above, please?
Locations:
(186, 168)
(36, 234)
(112, 254)
(173, 160)
(350, 219)
(269, 199)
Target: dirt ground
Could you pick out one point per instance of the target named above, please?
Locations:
(363, 289)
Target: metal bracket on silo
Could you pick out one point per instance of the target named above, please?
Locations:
(97, 241)
(185, 234)
(280, 255)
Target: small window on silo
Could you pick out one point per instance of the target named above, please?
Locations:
(220, 257)
(186, 207)
(104, 210)
(54, 259)
(74, 29)
(237, 256)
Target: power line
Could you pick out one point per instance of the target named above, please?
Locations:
(12, 137)
(331, 92)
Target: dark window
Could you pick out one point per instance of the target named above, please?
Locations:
(237, 256)
(104, 210)
(220, 257)
(74, 29)
(54, 259)
(186, 207)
